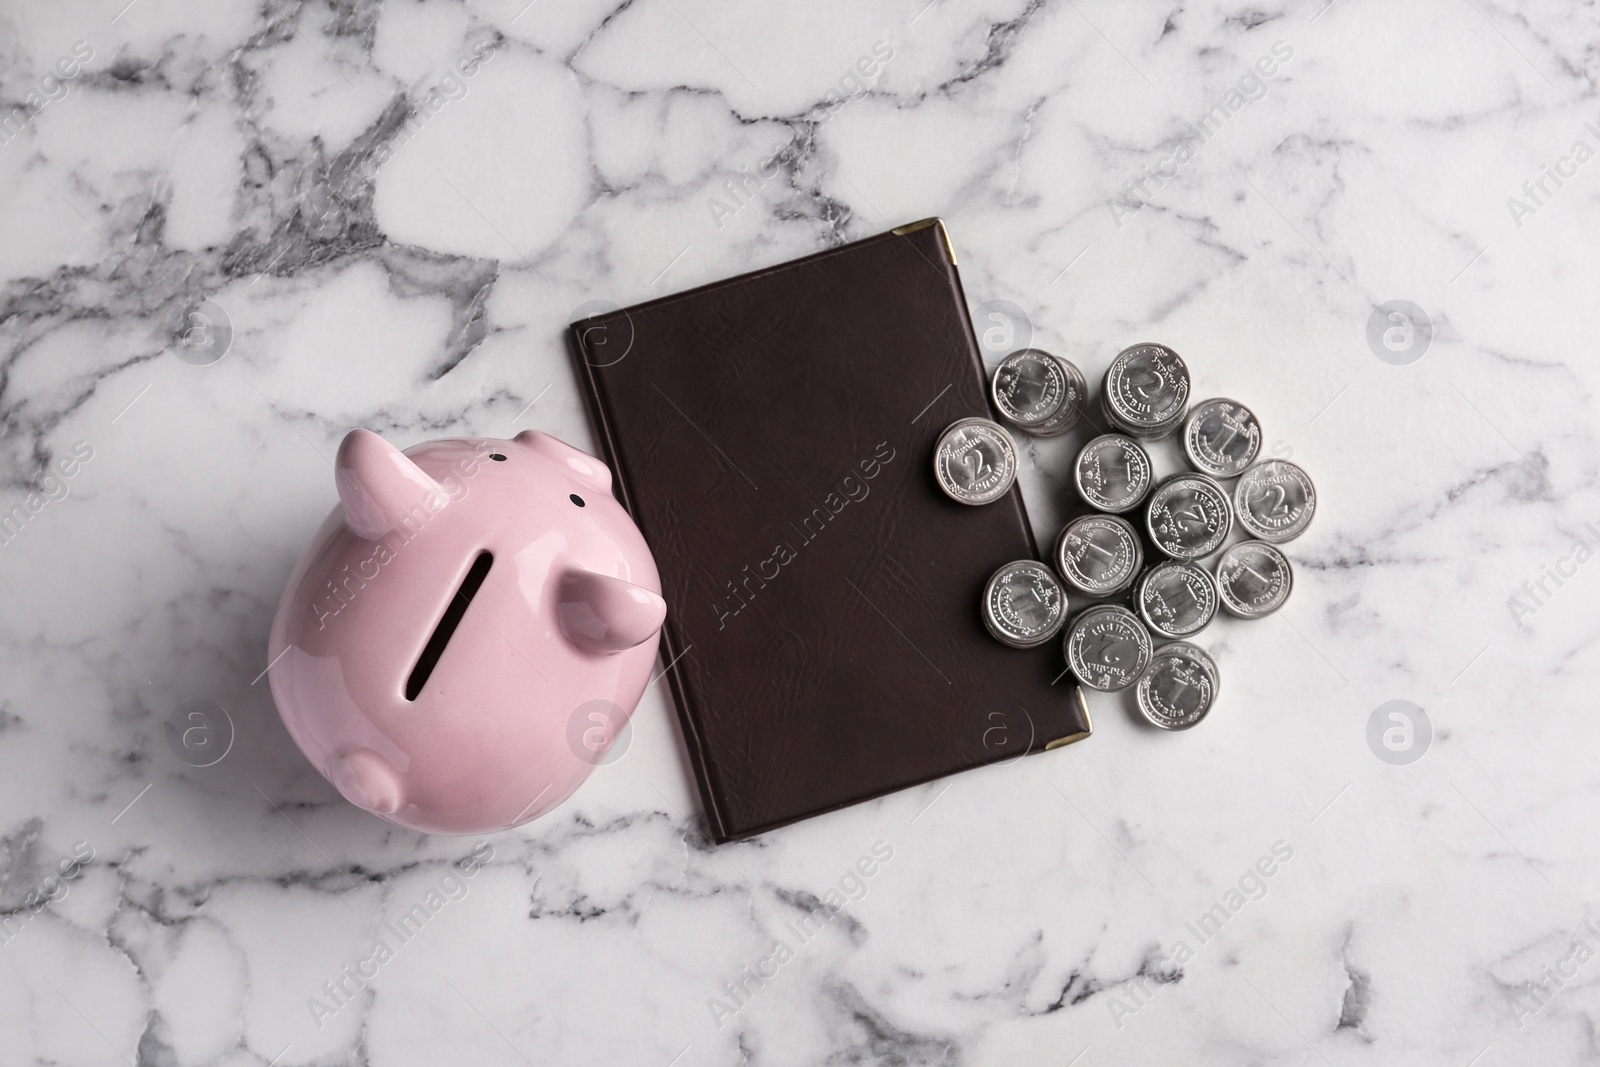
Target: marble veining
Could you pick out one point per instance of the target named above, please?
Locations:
(231, 231)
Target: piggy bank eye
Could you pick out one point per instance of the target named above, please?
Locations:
(576, 499)
(497, 457)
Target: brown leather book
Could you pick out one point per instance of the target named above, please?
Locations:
(773, 437)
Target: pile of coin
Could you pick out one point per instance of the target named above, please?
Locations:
(975, 461)
(1038, 393)
(1178, 687)
(1101, 556)
(1145, 391)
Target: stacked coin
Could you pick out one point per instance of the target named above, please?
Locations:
(1113, 473)
(1189, 516)
(975, 461)
(1176, 599)
(1039, 393)
(1107, 647)
(1221, 437)
(1178, 687)
(1253, 579)
(1275, 501)
(1023, 605)
(1146, 391)
(1099, 555)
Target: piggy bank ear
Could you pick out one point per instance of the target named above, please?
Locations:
(379, 487)
(580, 465)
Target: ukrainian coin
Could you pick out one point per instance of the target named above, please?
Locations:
(1146, 390)
(1029, 388)
(1157, 434)
(1253, 579)
(1189, 516)
(1275, 500)
(1179, 686)
(1113, 473)
(1176, 599)
(975, 461)
(1038, 392)
(1099, 555)
(1221, 437)
(1107, 647)
(1023, 604)
(1105, 408)
(1072, 410)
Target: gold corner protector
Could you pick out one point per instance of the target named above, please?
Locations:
(1069, 739)
(923, 224)
(1088, 723)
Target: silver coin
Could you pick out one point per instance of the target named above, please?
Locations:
(1221, 437)
(1275, 500)
(1176, 599)
(1038, 392)
(1077, 397)
(1023, 604)
(1189, 516)
(1099, 555)
(975, 461)
(1179, 687)
(1029, 388)
(1147, 390)
(1107, 647)
(1137, 432)
(1113, 473)
(1253, 579)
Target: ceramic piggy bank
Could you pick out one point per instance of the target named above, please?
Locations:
(467, 631)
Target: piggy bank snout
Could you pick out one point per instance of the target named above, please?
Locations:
(603, 614)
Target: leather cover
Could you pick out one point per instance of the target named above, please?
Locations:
(773, 435)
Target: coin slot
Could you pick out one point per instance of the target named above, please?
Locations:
(453, 614)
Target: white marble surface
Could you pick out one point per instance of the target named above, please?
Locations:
(414, 280)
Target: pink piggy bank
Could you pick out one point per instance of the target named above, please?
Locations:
(468, 630)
